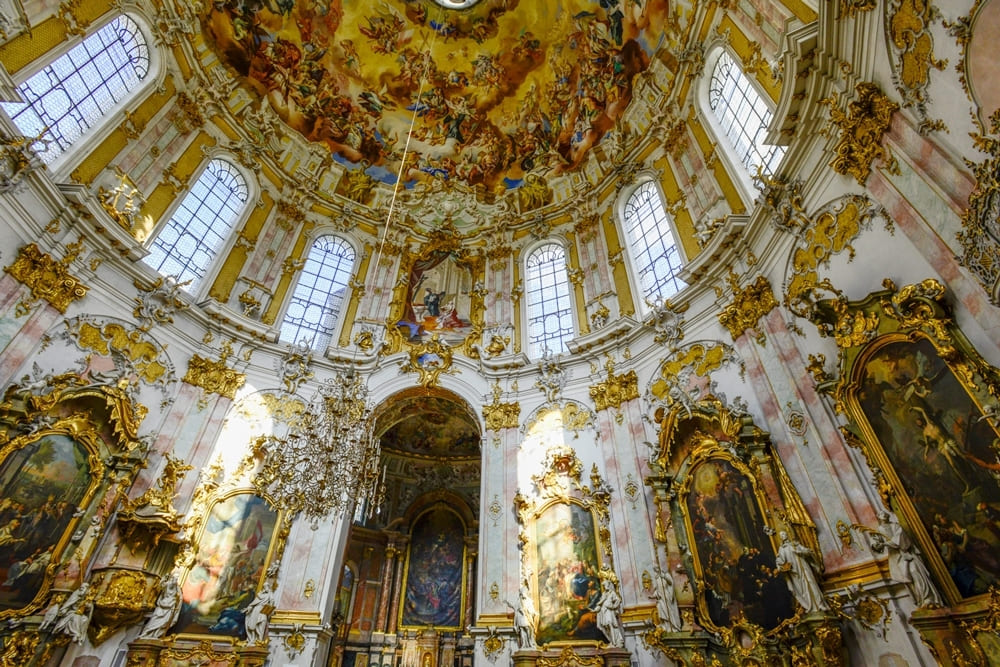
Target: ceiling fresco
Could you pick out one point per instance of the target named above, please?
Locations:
(430, 426)
(499, 95)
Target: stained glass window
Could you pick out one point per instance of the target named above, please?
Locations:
(188, 243)
(744, 116)
(315, 305)
(68, 97)
(655, 255)
(550, 316)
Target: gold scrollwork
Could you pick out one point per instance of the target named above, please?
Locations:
(569, 658)
(616, 389)
(748, 306)
(214, 376)
(501, 415)
(861, 130)
(46, 278)
(429, 359)
(981, 248)
(122, 598)
(908, 24)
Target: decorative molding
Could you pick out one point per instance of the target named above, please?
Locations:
(980, 235)
(908, 31)
(861, 130)
(47, 278)
(429, 359)
(158, 301)
(615, 389)
(214, 376)
(749, 305)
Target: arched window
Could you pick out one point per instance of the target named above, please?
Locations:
(743, 115)
(68, 97)
(188, 243)
(655, 255)
(315, 305)
(550, 315)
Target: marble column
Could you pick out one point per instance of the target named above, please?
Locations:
(397, 586)
(388, 568)
(470, 582)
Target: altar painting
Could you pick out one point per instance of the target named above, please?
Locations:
(739, 577)
(944, 452)
(233, 551)
(438, 301)
(434, 574)
(568, 584)
(42, 484)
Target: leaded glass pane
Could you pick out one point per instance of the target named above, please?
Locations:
(315, 306)
(655, 256)
(743, 115)
(67, 98)
(550, 316)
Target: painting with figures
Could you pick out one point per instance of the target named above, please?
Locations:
(739, 579)
(945, 453)
(439, 300)
(434, 573)
(232, 556)
(568, 581)
(41, 486)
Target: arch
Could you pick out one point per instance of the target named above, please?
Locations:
(738, 113)
(549, 320)
(68, 99)
(314, 307)
(655, 256)
(187, 244)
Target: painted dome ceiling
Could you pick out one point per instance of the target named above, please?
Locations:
(428, 426)
(497, 95)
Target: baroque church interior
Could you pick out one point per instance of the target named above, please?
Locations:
(430, 333)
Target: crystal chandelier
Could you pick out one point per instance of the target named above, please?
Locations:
(329, 461)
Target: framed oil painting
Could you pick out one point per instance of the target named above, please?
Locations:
(568, 581)
(234, 548)
(943, 452)
(732, 551)
(566, 549)
(44, 479)
(435, 572)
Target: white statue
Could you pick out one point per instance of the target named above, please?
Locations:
(525, 618)
(258, 613)
(666, 601)
(74, 615)
(51, 614)
(609, 614)
(168, 605)
(905, 565)
(796, 560)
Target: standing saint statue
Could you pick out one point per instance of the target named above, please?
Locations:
(666, 600)
(164, 615)
(905, 565)
(525, 618)
(796, 561)
(609, 614)
(258, 614)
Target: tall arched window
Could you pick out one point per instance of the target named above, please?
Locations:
(655, 255)
(315, 305)
(188, 243)
(550, 315)
(743, 115)
(68, 97)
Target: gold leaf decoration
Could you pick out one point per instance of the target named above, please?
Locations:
(47, 278)
(748, 306)
(861, 130)
(214, 377)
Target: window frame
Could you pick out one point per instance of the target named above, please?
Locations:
(726, 151)
(224, 250)
(641, 178)
(338, 326)
(526, 254)
(71, 157)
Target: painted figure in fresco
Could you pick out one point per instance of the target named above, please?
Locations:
(525, 618)
(258, 613)
(168, 606)
(796, 560)
(609, 614)
(905, 565)
(432, 301)
(666, 600)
